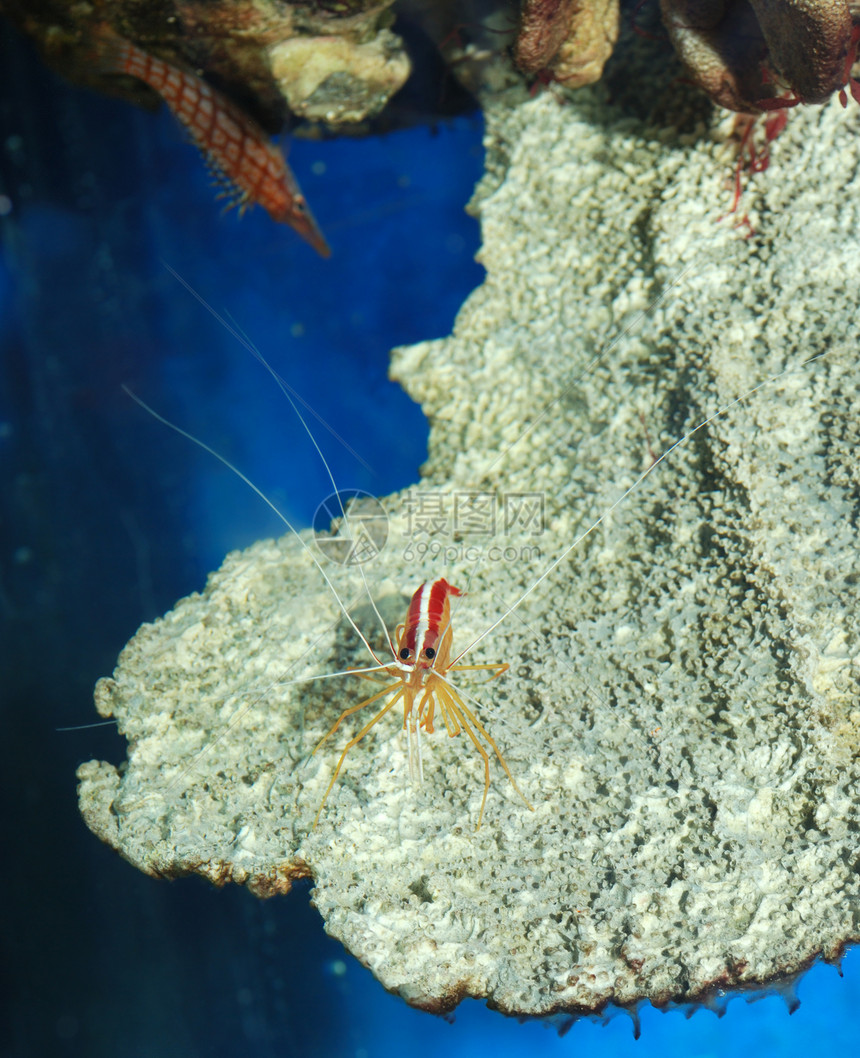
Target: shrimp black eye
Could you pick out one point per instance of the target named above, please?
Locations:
(404, 653)
(429, 653)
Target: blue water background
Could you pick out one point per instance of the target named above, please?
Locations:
(108, 518)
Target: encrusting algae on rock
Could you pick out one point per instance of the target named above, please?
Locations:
(682, 705)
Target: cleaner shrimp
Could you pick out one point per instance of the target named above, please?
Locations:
(422, 662)
(421, 647)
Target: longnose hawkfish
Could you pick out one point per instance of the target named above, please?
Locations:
(232, 143)
(421, 662)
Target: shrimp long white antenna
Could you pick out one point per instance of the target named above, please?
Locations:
(246, 342)
(289, 393)
(294, 399)
(87, 727)
(609, 510)
(244, 477)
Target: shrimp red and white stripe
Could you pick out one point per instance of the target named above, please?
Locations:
(426, 621)
(231, 141)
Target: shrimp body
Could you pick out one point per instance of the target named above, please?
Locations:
(425, 636)
(232, 142)
(420, 666)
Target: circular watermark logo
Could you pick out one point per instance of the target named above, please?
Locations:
(350, 527)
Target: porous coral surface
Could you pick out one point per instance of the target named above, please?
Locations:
(682, 705)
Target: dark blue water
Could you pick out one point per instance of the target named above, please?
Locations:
(108, 518)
